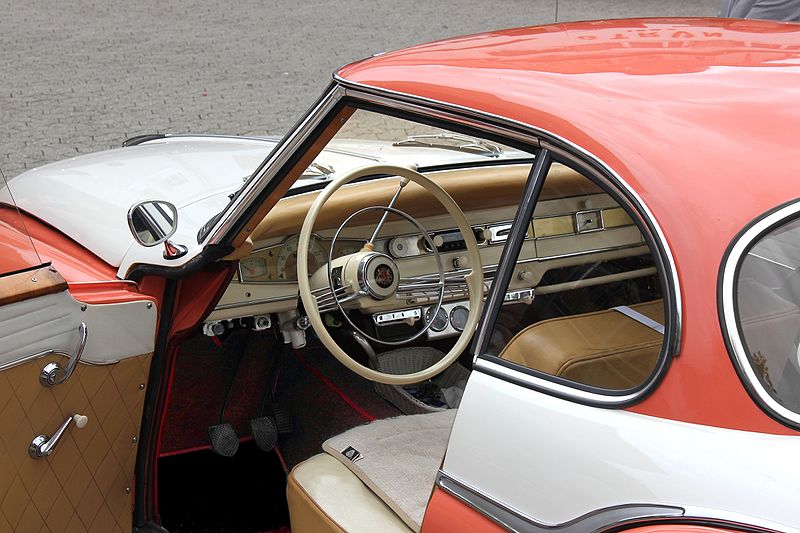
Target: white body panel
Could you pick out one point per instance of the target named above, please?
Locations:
(115, 331)
(88, 197)
(553, 460)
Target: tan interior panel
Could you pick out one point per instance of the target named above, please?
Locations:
(30, 284)
(552, 226)
(613, 218)
(86, 483)
(604, 349)
(500, 186)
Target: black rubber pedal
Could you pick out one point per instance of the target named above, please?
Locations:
(283, 419)
(224, 439)
(265, 432)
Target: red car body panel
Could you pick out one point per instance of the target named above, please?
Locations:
(661, 102)
(445, 513)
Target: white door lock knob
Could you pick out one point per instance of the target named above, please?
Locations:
(80, 421)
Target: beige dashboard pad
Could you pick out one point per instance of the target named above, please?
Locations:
(475, 188)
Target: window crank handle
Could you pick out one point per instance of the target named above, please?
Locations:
(53, 374)
(42, 446)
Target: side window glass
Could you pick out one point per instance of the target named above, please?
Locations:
(768, 303)
(584, 302)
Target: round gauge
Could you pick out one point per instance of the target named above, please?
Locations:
(458, 317)
(287, 258)
(253, 267)
(439, 321)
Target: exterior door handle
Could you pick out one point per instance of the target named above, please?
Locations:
(42, 446)
(53, 374)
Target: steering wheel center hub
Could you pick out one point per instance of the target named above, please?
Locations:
(378, 275)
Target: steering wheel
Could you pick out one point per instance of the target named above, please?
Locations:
(367, 275)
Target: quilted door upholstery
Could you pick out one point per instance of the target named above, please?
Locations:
(86, 483)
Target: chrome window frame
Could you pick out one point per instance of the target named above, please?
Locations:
(343, 90)
(729, 313)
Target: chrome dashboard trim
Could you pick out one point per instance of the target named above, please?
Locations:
(261, 301)
(728, 314)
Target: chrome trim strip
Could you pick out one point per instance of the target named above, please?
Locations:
(273, 163)
(452, 113)
(486, 268)
(728, 292)
(514, 520)
(104, 282)
(633, 314)
(568, 391)
(256, 302)
(47, 353)
(734, 520)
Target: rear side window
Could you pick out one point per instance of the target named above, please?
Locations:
(766, 296)
(584, 305)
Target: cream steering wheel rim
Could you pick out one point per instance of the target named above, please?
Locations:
(474, 278)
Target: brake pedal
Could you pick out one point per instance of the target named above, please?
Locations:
(265, 432)
(224, 440)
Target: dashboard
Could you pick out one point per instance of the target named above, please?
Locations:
(575, 223)
(278, 263)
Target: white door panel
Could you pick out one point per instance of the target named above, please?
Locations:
(554, 460)
(116, 331)
(32, 326)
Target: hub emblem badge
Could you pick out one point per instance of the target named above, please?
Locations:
(384, 276)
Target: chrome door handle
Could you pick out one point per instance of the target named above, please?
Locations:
(52, 374)
(42, 446)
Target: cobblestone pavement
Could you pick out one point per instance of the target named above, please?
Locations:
(83, 75)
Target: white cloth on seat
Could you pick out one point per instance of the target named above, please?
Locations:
(397, 458)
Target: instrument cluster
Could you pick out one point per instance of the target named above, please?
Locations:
(278, 263)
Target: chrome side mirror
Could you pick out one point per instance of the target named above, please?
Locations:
(153, 222)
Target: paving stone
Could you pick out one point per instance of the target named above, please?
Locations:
(83, 76)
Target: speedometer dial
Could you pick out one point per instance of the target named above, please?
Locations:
(287, 258)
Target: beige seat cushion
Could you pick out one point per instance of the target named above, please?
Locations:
(325, 496)
(604, 349)
(399, 459)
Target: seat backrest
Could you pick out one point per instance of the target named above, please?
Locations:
(604, 349)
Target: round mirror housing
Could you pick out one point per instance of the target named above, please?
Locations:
(152, 222)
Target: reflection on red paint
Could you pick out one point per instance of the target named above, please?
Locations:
(698, 116)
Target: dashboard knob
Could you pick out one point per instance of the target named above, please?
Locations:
(438, 241)
(525, 276)
(461, 262)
